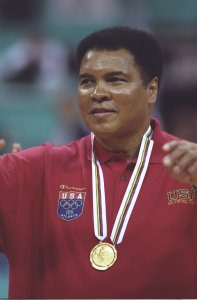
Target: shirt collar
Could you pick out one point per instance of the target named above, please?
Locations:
(105, 155)
(160, 138)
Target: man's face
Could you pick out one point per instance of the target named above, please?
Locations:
(112, 97)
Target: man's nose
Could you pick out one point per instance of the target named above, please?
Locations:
(100, 93)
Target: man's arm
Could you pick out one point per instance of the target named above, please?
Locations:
(181, 160)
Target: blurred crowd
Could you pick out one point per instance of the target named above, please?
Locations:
(178, 103)
(36, 59)
(46, 62)
(43, 60)
(40, 59)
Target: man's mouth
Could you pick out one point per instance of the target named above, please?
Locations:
(100, 112)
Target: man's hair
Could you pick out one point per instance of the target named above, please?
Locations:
(141, 44)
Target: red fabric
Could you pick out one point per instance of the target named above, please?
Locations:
(49, 256)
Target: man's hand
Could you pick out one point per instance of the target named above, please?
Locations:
(2, 144)
(15, 146)
(181, 160)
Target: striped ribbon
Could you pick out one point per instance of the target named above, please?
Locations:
(130, 196)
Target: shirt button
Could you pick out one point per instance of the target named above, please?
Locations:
(123, 178)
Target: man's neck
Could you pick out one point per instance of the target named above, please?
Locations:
(129, 146)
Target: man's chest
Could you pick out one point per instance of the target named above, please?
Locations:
(161, 203)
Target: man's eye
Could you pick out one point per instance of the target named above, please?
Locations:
(86, 81)
(116, 79)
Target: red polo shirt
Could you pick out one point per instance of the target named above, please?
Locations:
(46, 225)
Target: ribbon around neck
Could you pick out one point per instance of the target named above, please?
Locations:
(129, 198)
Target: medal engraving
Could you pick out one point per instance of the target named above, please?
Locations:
(103, 256)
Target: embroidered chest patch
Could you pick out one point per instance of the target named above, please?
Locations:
(70, 205)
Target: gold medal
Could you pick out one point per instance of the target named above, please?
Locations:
(103, 256)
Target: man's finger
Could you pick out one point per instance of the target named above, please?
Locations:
(2, 144)
(16, 148)
(170, 146)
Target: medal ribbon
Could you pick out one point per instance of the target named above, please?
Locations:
(130, 196)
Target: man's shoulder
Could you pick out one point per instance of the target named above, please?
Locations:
(77, 146)
(47, 150)
(74, 154)
(160, 137)
(161, 134)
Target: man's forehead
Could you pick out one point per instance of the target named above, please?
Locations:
(106, 57)
(89, 54)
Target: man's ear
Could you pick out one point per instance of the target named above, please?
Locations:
(152, 90)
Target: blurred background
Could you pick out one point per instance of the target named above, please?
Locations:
(38, 80)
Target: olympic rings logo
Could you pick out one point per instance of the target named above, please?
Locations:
(70, 203)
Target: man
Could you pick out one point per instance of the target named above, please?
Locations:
(112, 215)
